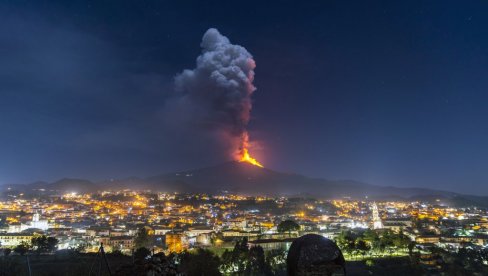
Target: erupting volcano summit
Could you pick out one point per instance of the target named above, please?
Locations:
(247, 158)
(243, 153)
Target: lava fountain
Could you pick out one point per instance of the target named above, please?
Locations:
(246, 157)
(243, 155)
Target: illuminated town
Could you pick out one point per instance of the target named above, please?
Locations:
(175, 223)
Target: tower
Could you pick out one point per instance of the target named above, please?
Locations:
(36, 217)
(377, 223)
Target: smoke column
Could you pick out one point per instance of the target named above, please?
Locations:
(216, 95)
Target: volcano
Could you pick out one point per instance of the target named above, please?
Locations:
(248, 179)
(245, 178)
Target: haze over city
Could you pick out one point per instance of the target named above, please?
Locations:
(384, 93)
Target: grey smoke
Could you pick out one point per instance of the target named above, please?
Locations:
(216, 95)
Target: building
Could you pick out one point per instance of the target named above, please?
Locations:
(160, 231)
(481, 239)
(271, 244)
(204, 239)
(397, 224)
(95, 231)
(175, 242)
(122, 243)
(240, 234)
(197, 230)
(35, 223)
(14, 239)
(427, 239)
(14, 228)
(394, 226)
(236, 224)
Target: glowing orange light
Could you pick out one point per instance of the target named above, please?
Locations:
(243, 154)
(245, 157)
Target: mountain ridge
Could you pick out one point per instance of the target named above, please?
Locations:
(244, 178)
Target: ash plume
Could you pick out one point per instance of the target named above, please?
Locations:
(216, 95)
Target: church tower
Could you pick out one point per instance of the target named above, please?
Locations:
(36, 217)
(377, 223)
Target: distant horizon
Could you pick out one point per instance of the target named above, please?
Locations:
(95, 181)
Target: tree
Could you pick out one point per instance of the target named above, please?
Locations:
(202, 262)
(400, 240)
(361, 247)
(370, 235)
(276, 259)
(142, 238)
(346, 241)
(51, 244)
(386, 240)
(22, 248)
(141, 253)
(81, 247)
(39, 243)
(411, 246)
(288, 226)
(116, 252)
(236, 261)
(372, 238)
(227, 262)
(257, 263)
(43, 244)
(7, 251)
(240, 254)
(157, 264)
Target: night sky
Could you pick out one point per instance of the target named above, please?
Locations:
(383, 92)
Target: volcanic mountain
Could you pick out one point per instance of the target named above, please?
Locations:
(245, 178)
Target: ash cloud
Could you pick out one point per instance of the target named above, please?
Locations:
(215, 96)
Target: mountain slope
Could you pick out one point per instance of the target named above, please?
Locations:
(248, 179)
(244, 178)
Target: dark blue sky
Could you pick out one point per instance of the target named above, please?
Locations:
(389, 93)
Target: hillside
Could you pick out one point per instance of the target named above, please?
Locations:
(244, 178)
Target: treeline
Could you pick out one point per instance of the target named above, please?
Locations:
(370, 243)
(466, 261)
(39, 244)
(241, 260)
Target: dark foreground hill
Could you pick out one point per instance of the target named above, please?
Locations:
(248, 179)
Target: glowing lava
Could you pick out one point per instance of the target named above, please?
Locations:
(242, 155)
(245, 157)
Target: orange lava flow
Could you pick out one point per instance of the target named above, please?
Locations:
(246, 157)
